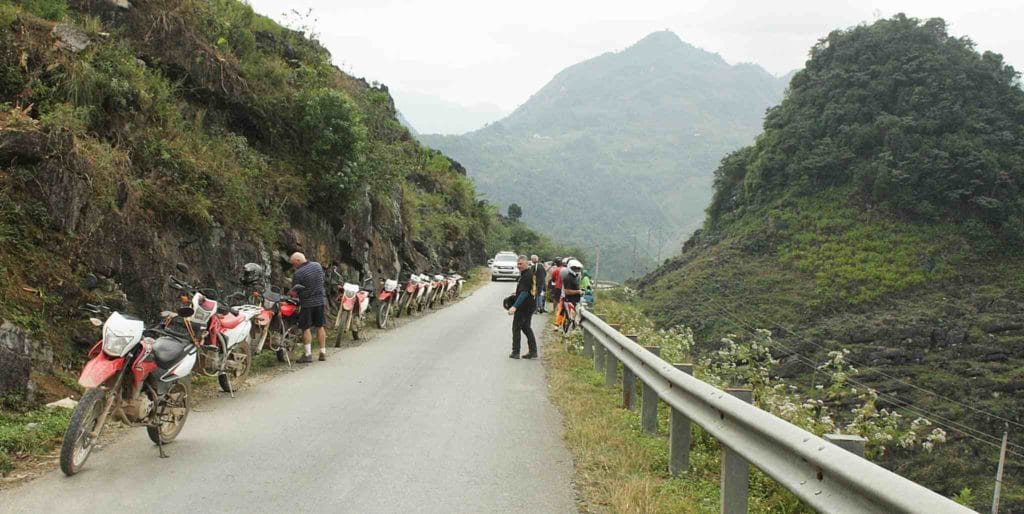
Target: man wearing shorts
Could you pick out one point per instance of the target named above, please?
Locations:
(311, 303)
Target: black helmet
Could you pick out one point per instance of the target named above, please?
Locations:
(252, 274)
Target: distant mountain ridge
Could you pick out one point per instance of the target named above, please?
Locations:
(621, 147)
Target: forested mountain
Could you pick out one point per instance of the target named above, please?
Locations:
(620, 146)
(880, 211)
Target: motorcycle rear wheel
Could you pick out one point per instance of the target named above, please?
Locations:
(242, 355)
(178, 397)
(77, 445)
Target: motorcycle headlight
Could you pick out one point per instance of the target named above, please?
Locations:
(116, 345)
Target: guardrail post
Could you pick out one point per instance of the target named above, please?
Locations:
(611, 369)
(679, 435)
(629, 384)
(588, 344)
(649, 406)
(735, 481)
(851, 443)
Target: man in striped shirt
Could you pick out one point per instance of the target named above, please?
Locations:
(311, 303)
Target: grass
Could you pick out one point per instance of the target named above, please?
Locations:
(619, 468)
(30, 433)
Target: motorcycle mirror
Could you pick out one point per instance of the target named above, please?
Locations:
(90, 282)
(182, 267)
(186, 312)
(96, 322)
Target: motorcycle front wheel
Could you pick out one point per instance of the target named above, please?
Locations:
(78, 442)
(383, 314)
(173, 413)
(238, 366)
(345, 322)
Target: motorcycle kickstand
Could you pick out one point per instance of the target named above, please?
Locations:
(231, 388)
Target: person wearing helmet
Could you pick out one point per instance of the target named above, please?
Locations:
(571, 290)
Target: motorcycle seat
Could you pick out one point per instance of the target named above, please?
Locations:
(231, 321)
(167, 351)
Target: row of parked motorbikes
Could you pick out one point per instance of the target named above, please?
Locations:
(142, 376)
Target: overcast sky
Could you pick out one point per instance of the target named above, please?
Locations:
(478, 53)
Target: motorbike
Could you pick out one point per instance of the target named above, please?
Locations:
(439, 292)
(333, 282)
(355, 301)
(425, 292)
(224, 341)
(409, 295)
(388, 297)
(280, 314)
(455, 286)
(140, 377)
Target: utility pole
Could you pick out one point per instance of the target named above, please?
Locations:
(999, 471)
(634, 256)
(597, 264)
(647, 267)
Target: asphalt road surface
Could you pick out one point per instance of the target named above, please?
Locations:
(429, 417)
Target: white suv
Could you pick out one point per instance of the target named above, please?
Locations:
(504, 266)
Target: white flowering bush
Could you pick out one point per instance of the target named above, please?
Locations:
(834, 405)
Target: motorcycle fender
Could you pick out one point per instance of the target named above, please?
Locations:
(99, 369)
(348, 302)
(263, 319)
(238, 334)
(365, 304)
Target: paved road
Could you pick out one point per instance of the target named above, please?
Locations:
(430, 417)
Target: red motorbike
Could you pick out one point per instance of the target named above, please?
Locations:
(280, 317)
(138, 376)
(387, 298)
(355, 301)
(408, 298)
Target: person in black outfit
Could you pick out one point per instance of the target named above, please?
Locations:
(522, 310)
(542, 274)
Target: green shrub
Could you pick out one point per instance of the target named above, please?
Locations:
(50, 9)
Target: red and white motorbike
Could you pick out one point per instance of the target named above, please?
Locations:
(355, 301)
(137, 376)
(426, 291)
(409, 296)
(454, 287)
(387, 300)
(439, 291)
(225, 337)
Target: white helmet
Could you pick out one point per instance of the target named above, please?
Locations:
(575, 266)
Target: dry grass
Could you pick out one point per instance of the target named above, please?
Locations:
(621, 469)
(618, 467)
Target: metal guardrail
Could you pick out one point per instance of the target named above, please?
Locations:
(822, 474)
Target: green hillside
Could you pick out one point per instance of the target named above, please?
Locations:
(620, 146)
(135, 136)
(880, 211)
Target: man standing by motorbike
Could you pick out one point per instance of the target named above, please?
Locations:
(312, 298)
(522, 310)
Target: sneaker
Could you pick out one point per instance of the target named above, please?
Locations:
(323, 356)
(305, 359)
(513, 355)
(531, 355)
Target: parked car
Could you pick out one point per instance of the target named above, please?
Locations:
(504, 266)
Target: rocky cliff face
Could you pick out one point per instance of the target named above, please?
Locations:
(121, 151)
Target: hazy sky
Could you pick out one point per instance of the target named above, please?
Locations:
(474, 52)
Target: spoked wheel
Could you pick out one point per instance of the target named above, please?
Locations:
(357, 324)
(258, 336)
(237, 367)
(407, 306)
(331, 309)
(78, 438)
(339, 319)
(173, 413)
(383, 314)
(344, 321)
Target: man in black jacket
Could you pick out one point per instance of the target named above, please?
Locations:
(542, 275)
(522, 310)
